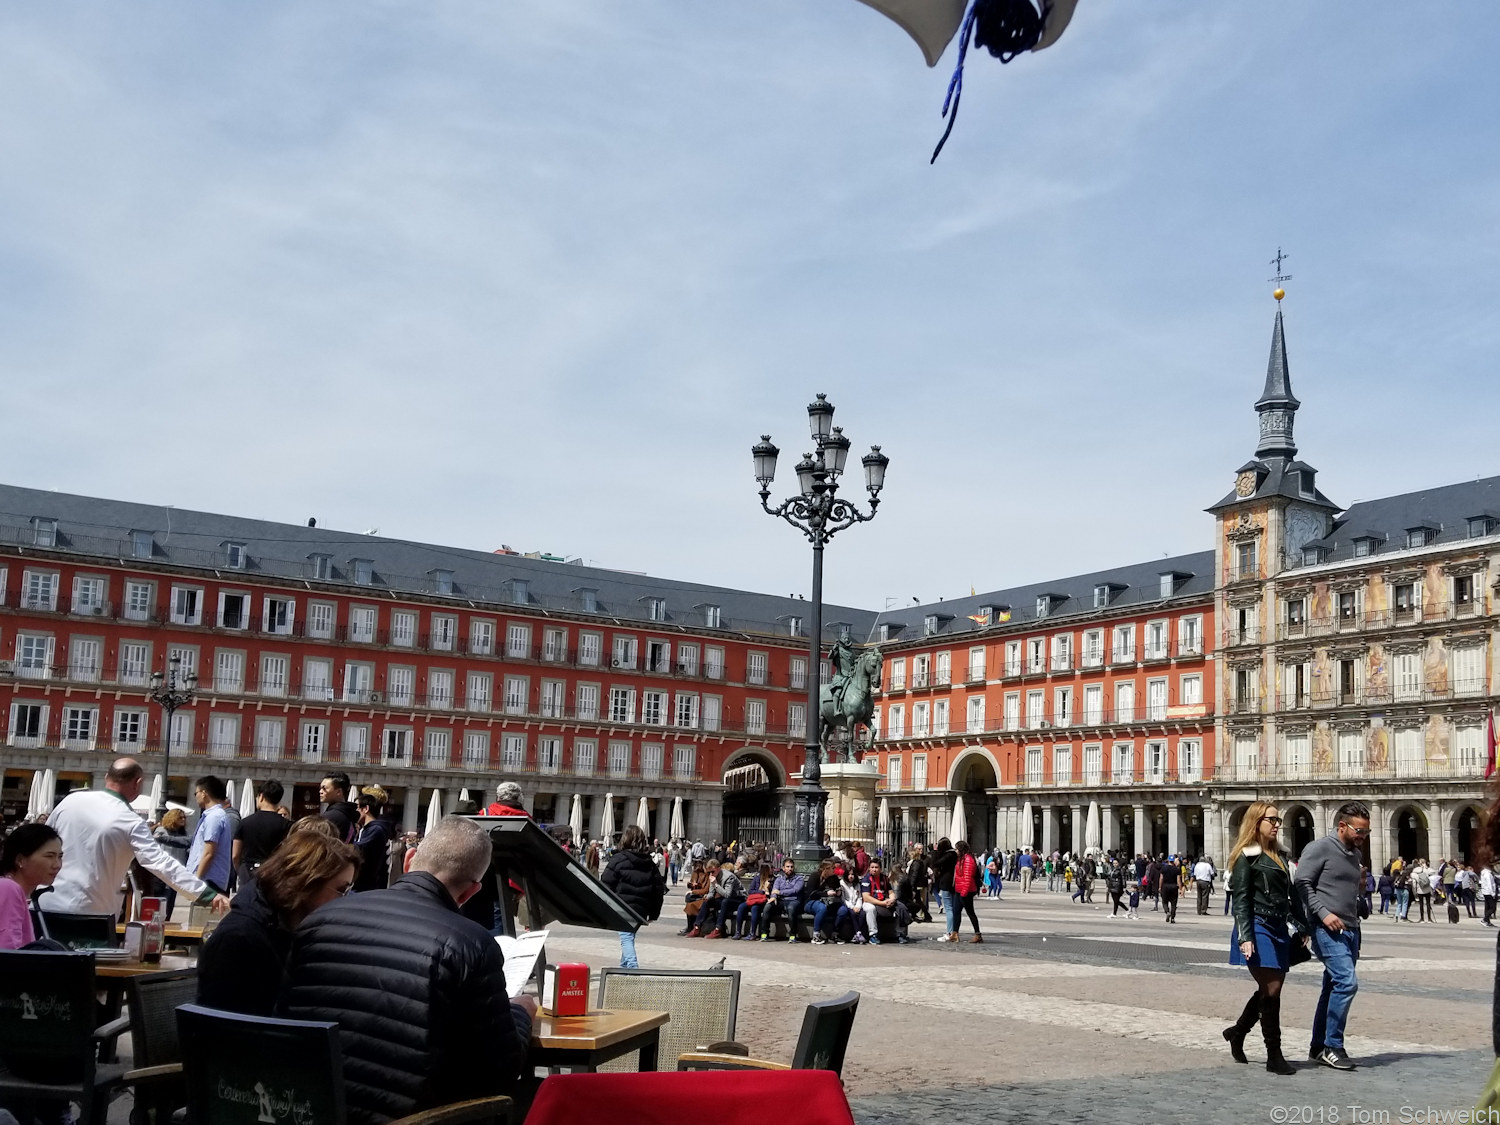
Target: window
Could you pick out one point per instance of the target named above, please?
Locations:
(1013, 711)
(1093, 705)
(713, 708)
(1468, 750)
(1190, 636)
(1244, 690)
(40, 590)
(1190, 690)
(896, 722)
(1408, 751)
(135, 663)
(1043, 605)
(554, 645)
(652, 754)
(186, 605)
(1036, 770)
(875, 734)
(939, 717)
(1156, 701)
(1093, 648)
(684, 762)
(1156, 640)
(1125, 702)
(1166, 585)
(183, 730)
(317, 680)
(1408, 675)
(517, 641)
(277, 616)
(88, 597)
(79, 724)
(1419, 537)
(898, 675)
(585, 754)
(320, 617)
(1101, 596)
(919, 771)
(363, 571)
(362, 620)
(622, 652)
(274, 675)
(520, 591)
(1062, 707)
(621, 705)
(553, 698)
(920, 727)
(711, 616)
(586, 703)
(687, 710)
(234, 556)
(1246, 755)
(85, 659)
(513, 751)
(322, 567)
(590, 649)
(1244, 560)
(1296, 616)
(656, 609)
(755, 668)
(1463, 589)
(44, 532)
(400, 685)
(444, 632)
(437, 748)
(359, 682)
(1296, 756)
(1405, 601)
(314, 741)
(234, 610)
(1062, 652)
(28, 724)
(796, 720)
(1093, 764)
(793, 626)
(229, 672)
(141, 545)
(687, 660)
(1346, 680)
(1468, 670)
(1036, 703)
(476, 750)
(549, 754)
(479, 691)
(1362, 547)
(396, 747)
(1189, 759)
(130, 727)
(654, 708)
(223, 736)
(659, 657)
(976, 666)
(1479, 526)
(1124, 644)
(1036, 654)
(920, 670)
(755, 716)
(1156, 762)
(797, 673)
(1062, 765)
(403, 628)
(1351, 751)
(1012, 658)
(33, 656)
(442, 582)
(619, 759)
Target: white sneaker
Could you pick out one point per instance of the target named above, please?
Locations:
(817, 937)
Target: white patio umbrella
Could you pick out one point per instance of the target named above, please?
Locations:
(49, 790)
(434, 809)
(230, 791)
(607, 824)
(883, 817)
(643, 817)
(34, 800)
(463, 795)
(247, 798)
(1027, 836)
(158, 787)
(145, 805)
(575, 820)
(679, 830)
(1091, 833)
(958, 826)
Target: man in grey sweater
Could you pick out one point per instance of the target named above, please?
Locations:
(1328, 875)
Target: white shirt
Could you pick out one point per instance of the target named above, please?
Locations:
(1203, 870)
(101, 834)
(1486, 881)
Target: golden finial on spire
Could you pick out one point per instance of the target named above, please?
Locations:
(1280, 277)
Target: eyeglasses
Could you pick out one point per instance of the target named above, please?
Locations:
(1276, 820)
(1359, 831)
(345, 889)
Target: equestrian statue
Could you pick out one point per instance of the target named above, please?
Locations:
(847, 701)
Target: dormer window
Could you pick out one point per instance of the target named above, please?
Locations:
(1305, 482)
(1167, 585)
(1364, 546)
(322, 567)
(142, 546)
(712, 616)
(885, 632)
(442, 581)
(794, 626)
(1420, 536)
(44, 532)
(1043, 605)
(234, 556)
(656, 609)
(520, 593)
(363, 571)
(1480, 526)
(1106, 592)
(588, 599)
(1312, 556)
(930, 625)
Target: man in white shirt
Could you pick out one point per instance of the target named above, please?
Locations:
(1203, 875)
(1487, 892)
(101, 834)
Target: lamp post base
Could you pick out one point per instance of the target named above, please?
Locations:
(807, 852)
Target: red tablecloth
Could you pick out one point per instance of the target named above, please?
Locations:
(725, 1097)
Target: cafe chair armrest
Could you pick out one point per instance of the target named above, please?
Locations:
(715, 1060)
(113, 1029)
(461, 1113)
(147, 1074)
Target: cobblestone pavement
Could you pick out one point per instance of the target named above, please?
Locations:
(1065, 1015)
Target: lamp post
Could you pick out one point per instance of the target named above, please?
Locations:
(819, 513)
(170, 692)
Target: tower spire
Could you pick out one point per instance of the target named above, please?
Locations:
(1277, 406)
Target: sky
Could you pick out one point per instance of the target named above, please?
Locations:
(540, 274)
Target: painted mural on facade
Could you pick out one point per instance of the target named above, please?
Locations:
(1320, 606)
(1377, 748)
(1437, 746)
(1434, 591)
(1435, 666)
(1376, 601)
(1322, 748)
(1377, 673)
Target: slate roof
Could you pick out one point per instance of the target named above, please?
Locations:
(1447, 509)
(197, 539)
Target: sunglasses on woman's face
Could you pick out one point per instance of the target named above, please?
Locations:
(1275, 820)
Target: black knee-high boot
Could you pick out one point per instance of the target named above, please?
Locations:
(1235, 1035)
(1270, 1027)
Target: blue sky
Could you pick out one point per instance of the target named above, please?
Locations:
(540, 274)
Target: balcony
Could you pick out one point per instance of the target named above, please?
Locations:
(1249, 635)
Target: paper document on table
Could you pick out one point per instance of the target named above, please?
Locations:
(521, 957)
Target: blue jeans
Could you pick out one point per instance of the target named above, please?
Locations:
(1403, 902)
(819, 909)
(627, 950)
(1338, 952)
(950, 910)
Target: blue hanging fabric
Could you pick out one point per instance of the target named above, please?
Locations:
(1004, 28)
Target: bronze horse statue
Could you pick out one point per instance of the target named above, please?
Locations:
(848, 701)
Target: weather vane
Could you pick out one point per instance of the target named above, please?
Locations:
(1280, 277)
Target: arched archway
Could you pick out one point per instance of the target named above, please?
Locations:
(975, 775)
(1408, 829)
(752, 778)
(1468, 821)
(1298, 828)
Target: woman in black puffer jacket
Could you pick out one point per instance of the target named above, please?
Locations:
(634, 877)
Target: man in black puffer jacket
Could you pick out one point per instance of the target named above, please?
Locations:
(417, 989)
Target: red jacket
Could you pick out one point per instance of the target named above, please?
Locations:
(497, 809)
(966, 876)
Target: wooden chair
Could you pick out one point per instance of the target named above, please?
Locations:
(239, 1070)
(49, 1042)
(821, 1046)
(156, 1052)
(703, 1005)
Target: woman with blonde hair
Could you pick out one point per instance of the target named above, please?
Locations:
(1264, 901)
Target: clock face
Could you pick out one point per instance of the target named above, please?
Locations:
(1244, 484)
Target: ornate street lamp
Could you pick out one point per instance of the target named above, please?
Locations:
(170, 692)
(819, 513)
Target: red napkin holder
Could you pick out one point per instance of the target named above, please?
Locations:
(565, 990)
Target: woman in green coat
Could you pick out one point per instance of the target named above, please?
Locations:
(1264, 902)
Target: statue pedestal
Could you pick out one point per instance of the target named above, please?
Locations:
(851, 801)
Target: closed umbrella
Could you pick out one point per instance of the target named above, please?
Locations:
(34, 800)
(1028, 837)
(435, 809)
(607, 825)
(643, 817)
(49, 790)
(158, 789)
(230, 791)
(247, 798)
(958, 827)
(1091, 833)
(463, 795)
(679, 830)
(575, 820)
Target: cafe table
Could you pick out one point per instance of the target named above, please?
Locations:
(113, 973)
(176, 934)
(584, 1042)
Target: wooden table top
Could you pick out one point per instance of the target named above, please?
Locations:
(173, 931)
(601, 1028)
(119, 970)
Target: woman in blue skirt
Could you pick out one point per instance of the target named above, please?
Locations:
(1264, 902)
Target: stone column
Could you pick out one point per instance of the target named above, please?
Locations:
(1322, 819)
(1109, 827)
(1379, 839)
(411, 809)
(1049, 829)
(1174, 830)
(1140, 829)
(1438, 842)
(1213, 832)
(1077, 824)
(1002, 822)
